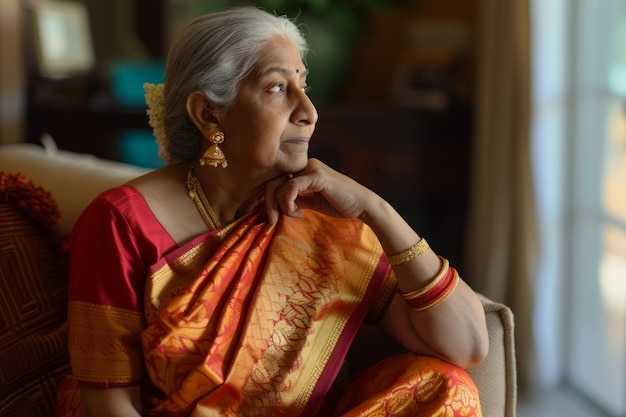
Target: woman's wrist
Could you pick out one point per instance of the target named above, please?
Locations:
(397, 237)
(393, 232)
(411, 253)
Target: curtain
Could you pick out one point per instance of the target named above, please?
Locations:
(501, 240)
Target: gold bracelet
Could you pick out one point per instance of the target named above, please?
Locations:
(403, 257)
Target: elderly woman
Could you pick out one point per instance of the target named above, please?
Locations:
(233, 280)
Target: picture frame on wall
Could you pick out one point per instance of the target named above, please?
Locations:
(62, 35)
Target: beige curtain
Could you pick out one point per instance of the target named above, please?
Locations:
(501, 237)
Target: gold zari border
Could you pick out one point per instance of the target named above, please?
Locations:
(104, 343)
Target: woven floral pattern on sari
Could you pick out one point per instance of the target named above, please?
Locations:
(406, 386)
(264, 326)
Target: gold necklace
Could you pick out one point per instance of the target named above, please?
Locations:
(196, 193)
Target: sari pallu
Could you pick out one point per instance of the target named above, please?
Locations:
(263, 326)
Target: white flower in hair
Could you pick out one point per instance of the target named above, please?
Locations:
(156, 112)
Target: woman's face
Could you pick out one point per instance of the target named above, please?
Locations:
(267, 130)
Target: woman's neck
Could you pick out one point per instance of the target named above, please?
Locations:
(230, 196)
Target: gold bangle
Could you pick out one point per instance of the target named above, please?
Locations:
(414, 251)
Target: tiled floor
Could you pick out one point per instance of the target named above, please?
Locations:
(558, 403)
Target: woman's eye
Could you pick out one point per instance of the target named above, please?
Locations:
(277, 88)
(280, 87)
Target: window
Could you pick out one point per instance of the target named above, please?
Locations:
(579, 143)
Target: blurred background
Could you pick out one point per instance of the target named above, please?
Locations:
(496, 127)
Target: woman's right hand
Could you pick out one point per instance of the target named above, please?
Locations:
(455, 330)
(317, 187)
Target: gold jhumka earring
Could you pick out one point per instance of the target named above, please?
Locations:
(214, 155)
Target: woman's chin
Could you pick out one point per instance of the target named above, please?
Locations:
(296, 165)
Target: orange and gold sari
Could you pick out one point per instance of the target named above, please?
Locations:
(256, 320)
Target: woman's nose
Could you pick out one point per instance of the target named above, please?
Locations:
(305, 111)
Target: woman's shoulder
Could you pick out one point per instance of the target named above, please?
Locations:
(158, 177)
(117, 195)
(166, 194)
(122, 202)
(129, 202)
(121, 213)
(161, 184)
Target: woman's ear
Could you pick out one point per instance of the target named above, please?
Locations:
(200, 112)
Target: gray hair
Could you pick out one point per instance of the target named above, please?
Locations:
(213, 54)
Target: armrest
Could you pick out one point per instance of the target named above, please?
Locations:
(496, 376)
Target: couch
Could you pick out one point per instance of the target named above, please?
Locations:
(33, 273)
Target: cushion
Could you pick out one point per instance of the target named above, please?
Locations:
(74, 179)
(33, 287)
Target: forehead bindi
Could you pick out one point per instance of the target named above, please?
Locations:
(284, 70)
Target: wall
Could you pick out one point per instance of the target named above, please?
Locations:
(12, 86)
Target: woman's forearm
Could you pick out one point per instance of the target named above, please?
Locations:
(111, 402)
(455, 328)
(395, 236)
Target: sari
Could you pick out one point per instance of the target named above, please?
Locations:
(252, 319)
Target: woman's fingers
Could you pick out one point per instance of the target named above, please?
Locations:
(317, 187)
(271, 205)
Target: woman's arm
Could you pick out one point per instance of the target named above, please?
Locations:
(455, 329)
(111, 402)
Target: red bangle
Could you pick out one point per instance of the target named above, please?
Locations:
(442, 271)
(424, 300)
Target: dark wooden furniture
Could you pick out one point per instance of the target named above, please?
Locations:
(90, 124)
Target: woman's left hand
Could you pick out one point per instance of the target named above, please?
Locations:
(317, 187)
